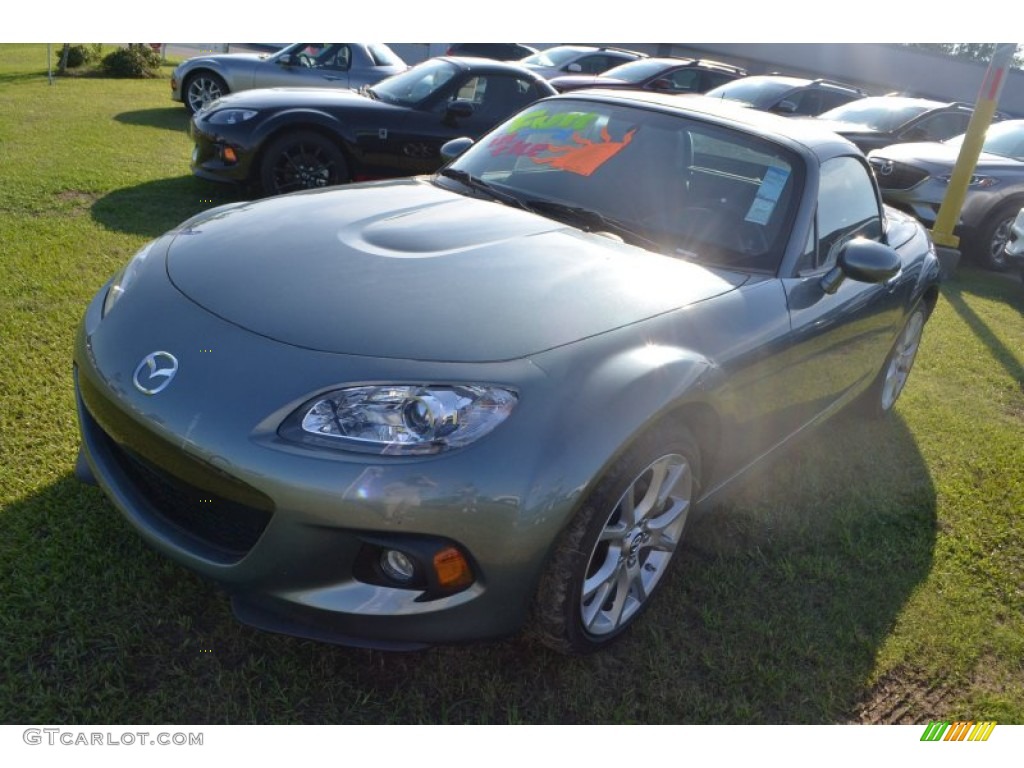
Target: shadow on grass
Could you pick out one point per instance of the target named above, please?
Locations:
(154, 207)
(170, 118)
(996, 288)
(12, 78)
(775, 614)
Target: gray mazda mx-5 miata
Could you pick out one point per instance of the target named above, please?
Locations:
(441, 408)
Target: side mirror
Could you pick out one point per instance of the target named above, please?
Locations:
(459, 109)
(785, 107)
(574, 67)
(452, 149)
(864, 260)
(662, 84)
(289, 60)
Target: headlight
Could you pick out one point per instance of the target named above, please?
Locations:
(125, 278)
(977, 182)
(400, 420)
(230, 116)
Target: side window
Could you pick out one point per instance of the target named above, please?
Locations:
(941, 127)
(685, 80)
(715, 79)
(496, 96)
(847, 207)
(596, 64)
(830, 99)
(325, 56)
(337, 57)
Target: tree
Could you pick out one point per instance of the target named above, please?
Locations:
(981, 52)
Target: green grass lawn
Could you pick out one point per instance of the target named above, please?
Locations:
(874, 573)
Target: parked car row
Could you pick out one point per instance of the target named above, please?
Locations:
(283, 140)
(375, 118)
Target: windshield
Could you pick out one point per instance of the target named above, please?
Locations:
(553, 57)
(755, 91)
(662, 181)
(415, 85)
(1006, 139)
(383, 56)
(877, 116)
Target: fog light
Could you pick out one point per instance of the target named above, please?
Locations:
(452, 569)
(397, 565)
(228, 155)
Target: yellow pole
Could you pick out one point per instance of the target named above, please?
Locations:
(970, 149)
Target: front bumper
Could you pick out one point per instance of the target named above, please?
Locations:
(204, 478)
(220, 155)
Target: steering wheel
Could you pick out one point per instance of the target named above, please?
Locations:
(306, 60)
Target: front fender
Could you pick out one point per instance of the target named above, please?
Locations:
(607, 407)
(301, 118)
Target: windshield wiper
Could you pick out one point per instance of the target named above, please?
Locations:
(593, 221)
(474, 182)
(369, 93)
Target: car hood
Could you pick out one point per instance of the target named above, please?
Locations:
(229, 59)
(941, 154)
(291, 97)
(405, 269)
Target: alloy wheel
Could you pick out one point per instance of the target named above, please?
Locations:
(636, 545)
(902, 360)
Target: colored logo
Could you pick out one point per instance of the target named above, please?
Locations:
(958, 731)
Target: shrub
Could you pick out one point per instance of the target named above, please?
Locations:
(78, 54)
(133, 61)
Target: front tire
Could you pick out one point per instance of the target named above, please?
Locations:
(302, 160)
(988, 246)
(615, 553)
(201, 88)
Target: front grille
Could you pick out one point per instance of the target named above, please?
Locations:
(893, 175)
(229, 528)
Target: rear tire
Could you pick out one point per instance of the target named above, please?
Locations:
(615, 553)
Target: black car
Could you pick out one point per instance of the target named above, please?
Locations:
(879, 121)
(286, 139)
(788, 95)
(664, 75)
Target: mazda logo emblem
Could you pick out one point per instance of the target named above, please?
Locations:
(155, 372)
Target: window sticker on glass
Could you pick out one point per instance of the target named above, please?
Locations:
(584, 156)
(537, 131)
(563, 125)
(768, 195)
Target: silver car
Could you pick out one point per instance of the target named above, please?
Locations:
(202, 79)
(578, 60)
(915, 177)
(1015, 243)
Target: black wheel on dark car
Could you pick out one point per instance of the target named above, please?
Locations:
(988, 246)
(879, 400)
(615, 553)
(201, 88)
(302, 160)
